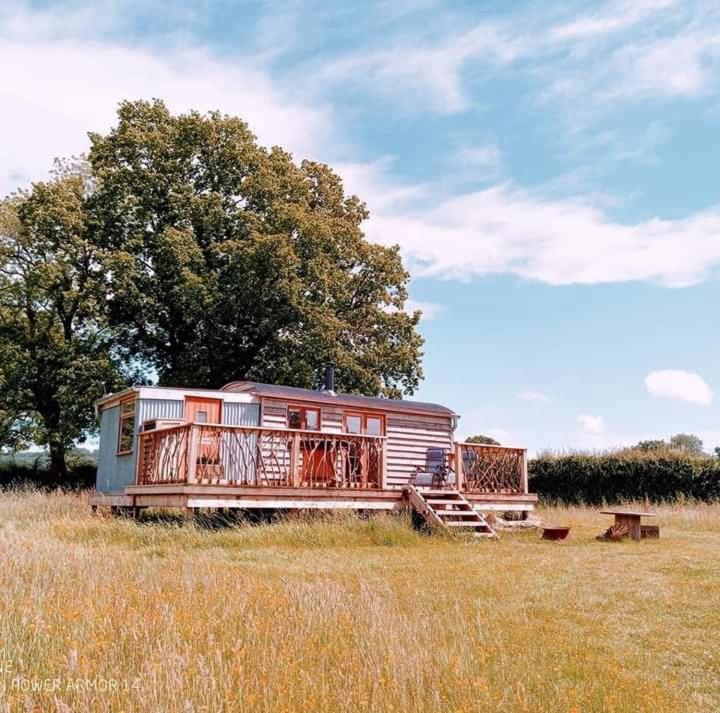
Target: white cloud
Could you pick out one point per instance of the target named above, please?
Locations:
(533, 396)
(429, 310)
(681, 65)
(431, 72)
(617, 17)
(592, 425)
(679, 385)
(62, 85)
(372, 183)
(483, 156)
(505, 230)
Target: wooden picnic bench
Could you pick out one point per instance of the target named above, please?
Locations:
(628, 523)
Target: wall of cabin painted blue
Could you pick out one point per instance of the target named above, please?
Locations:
(115, 472)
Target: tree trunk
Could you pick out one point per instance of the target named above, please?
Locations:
(58, 467)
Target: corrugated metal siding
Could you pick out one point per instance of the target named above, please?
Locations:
(241, 450)
(241, 414)
(159, 408)
(116, 472)
(113, 472)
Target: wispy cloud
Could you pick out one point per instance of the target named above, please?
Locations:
(592, 425)
(430, 310)
(616, 17)
(429, 71)
(63, 85)
(533, 396)
(505, 230)
(679, 385)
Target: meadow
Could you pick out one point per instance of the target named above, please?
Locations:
(338, 613)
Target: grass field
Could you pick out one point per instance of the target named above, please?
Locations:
(341, 614)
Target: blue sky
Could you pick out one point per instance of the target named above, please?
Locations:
(548, 169)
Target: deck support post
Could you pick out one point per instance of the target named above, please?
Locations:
(459, 479)
(192, 451)
(295, 479)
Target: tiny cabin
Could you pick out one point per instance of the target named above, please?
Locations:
(253, 445)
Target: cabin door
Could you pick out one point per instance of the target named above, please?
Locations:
(198, 410)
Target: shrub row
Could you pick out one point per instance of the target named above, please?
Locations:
(612, 477)
(81, 474)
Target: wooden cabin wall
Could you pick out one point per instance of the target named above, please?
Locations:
(408, 438)
(408, 435)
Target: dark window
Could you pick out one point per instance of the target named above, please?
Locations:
(306, 419)
(126, 429)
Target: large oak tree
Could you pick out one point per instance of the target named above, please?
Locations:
(230, 261)
(55, 343)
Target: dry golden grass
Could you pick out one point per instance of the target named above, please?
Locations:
(336, 614)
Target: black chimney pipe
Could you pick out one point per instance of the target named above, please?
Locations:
(329, 377)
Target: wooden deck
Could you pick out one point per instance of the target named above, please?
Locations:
(288, 498)
(215, 466)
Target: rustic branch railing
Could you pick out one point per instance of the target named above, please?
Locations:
(265, 457)
(491, 469)
(163, 456)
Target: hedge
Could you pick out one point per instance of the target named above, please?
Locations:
(624, 475)
(81, 473)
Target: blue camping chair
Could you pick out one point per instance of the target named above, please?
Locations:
(435, 472)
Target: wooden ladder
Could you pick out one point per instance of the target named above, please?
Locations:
(448, 508)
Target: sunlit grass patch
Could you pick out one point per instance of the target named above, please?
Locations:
(334, 612)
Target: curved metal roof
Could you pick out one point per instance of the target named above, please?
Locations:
(326, 397)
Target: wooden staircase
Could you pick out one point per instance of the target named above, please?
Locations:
(448, 508)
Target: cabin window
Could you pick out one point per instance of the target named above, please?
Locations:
(307, 419)
(353, 424)
(201, 417)
(367, 424)
(126, 428)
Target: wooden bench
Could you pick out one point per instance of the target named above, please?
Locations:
(628, 524)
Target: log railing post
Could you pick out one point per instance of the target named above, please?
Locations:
(382, 445)
(524, 476)
(192, 451)
(459, 479)
(295, 479)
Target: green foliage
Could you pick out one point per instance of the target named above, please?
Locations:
(482, 440)
(24, 472)
(54, 341)
(686, 442)
(652, 445)
(655, 475)
(230, 261)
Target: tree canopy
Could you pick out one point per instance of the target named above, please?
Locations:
(54, 342)
(230, 261)
(185, 252)
(686, 442)
(483, 440)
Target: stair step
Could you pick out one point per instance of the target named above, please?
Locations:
(448, 508)
(461, 523)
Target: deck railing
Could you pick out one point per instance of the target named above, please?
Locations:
(266, 457)
(484, 468)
